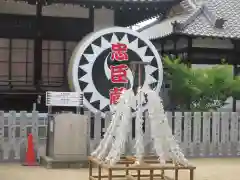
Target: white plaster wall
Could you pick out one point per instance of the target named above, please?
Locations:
(58, 10)
(103, 18)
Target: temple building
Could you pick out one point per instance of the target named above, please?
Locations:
(201, 33)
(38, 36)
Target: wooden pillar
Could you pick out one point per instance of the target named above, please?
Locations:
(175, 38)
(65, 65)
(38, 45)
(10, 65)
(91, 16)
(162, 42)
(189, 53)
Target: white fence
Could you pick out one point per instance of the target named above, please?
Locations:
(199, 134)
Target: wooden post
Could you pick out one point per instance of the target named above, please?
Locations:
(11, 135)
(110, 174)
(162, 174)
(127, 171)
(38, 45)
(191, 174)
(99, 172)
(151, 174)
(90, 168)
(23, 135)
(176, 174)
(35, 132)
(48, 130)
(138, 174)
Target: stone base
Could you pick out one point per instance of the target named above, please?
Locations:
(51, 163)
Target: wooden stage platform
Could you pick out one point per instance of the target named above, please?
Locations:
(131, 171)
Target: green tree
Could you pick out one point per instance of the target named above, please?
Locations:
(200, 89)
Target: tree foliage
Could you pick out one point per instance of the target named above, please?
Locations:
(201, 89)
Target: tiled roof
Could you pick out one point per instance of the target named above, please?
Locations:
(163, 28)
(200, 25)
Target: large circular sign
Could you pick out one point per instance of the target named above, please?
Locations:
(100, 66)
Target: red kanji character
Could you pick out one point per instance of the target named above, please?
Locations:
(115, 94)
(119, 52)
(119, 73)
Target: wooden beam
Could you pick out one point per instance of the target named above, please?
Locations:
(53, 28)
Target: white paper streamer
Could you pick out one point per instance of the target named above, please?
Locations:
(113, 130)
(164, 142)
(113, 143)
(139, 145)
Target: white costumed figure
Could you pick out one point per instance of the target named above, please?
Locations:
(113, 144)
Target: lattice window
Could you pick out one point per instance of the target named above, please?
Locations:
(52, 65)
(16, 62)
(21, 62)
(56, 56)
(4, 61)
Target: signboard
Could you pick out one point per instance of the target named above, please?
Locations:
(100, 66)
(70, 99)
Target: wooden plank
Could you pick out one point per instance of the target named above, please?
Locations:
(169, 117)
(12, 146)
(88, 115)
(23, 135)
(206, 133)
(6, 135)
(225, 145)
(132, 140)
(97, 130)
(42, 120)
(238, 142)
(234, 134)
(35, 126)
(178, 126)
(1, 135)
(147, 135)
(187, 134)
(107, 121)
(215, 147)
(152, 167)
(197, 133)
